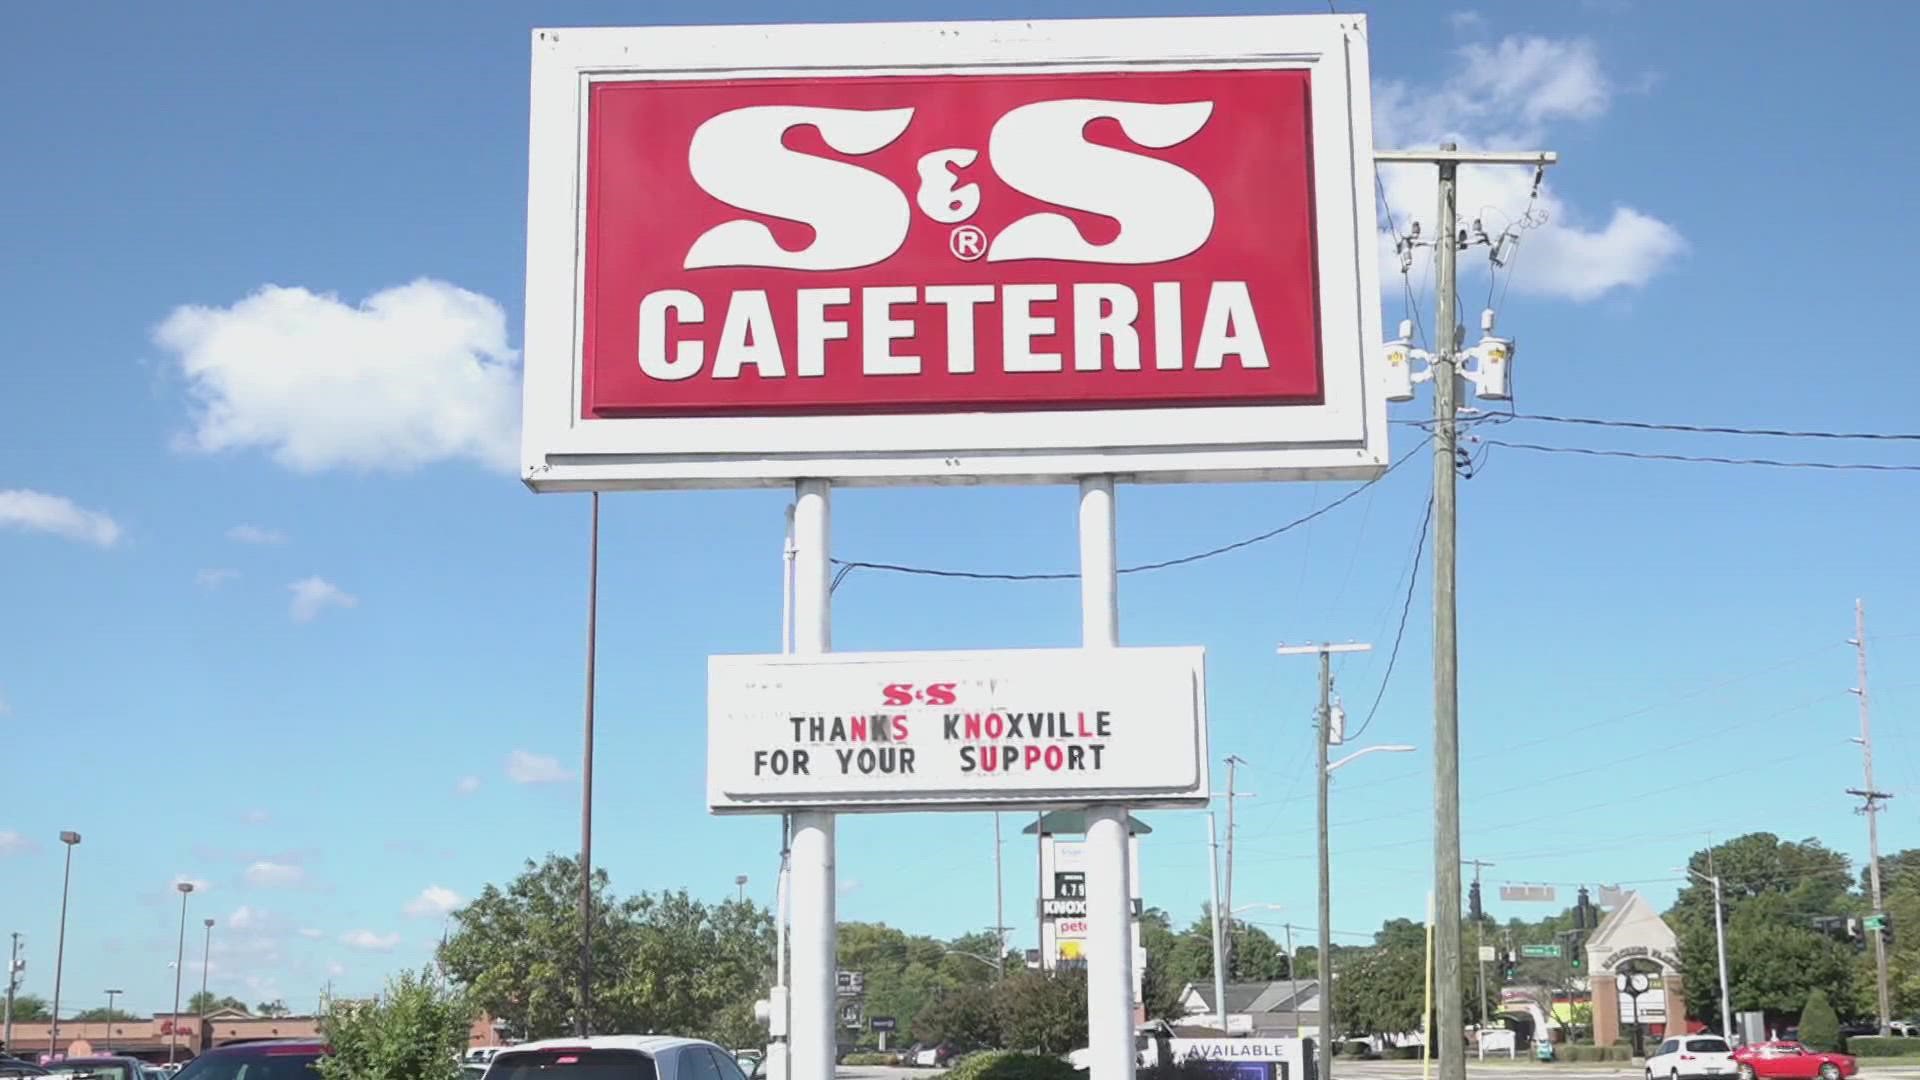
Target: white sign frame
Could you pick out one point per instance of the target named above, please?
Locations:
(1345, 437)
(732, 680)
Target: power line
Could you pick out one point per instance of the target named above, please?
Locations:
(1413, 575)
(849, 565)
(1711, 429)
(1638, 455)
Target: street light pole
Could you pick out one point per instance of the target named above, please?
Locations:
(999, 906)
(1219, 965)
(71, 839)
(206, 961)
(13, 984)
(1325, 737)
(1720, 944)
(111, 994)
(179, 964)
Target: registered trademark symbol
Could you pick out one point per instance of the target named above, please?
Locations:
(968, 243)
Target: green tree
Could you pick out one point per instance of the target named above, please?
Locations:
(905, 973)
(1382, 990)
(1819, 1024)
(31, 1008)
(99, 1015)
(660, 963)
(416, 1030)
(1042, 1012)
(203, 1002)
(690, 963)
(276, 1007)
(1159, 992)
(963, 1017)
(1770, 890)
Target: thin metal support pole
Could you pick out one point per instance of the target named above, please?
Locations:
(583, 1022)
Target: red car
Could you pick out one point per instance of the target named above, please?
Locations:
(1791, 1061)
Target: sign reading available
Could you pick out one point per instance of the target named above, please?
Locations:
(966, 729)
(951, 250)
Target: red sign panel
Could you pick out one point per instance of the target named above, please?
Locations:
(954, 243)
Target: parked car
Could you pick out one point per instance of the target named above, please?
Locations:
(1690, 1056)
(269, 1059)
(751, 1062)
(616, 1057)
(11, 1067)
(97, 1067)
(934, 1057)
(1791, 1060)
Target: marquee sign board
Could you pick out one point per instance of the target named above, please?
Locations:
(990, 729)
(952, 252)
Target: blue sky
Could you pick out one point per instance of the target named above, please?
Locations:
(368, 699)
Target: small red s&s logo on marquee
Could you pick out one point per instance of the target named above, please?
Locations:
(899, 694)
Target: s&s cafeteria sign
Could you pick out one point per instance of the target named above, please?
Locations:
(878, 731)
(946, 252)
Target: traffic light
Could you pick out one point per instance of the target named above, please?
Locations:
(1509, 965)
(1473, 901)
(1584, 917)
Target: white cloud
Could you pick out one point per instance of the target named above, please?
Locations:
(412, 375)
(435, 900)
(246, 918)
(12, 843)
(255, 534)
(335, 969)
(529, 768)
(214, 577)
(467, 785)
(847, 886)
(272, 875)
(310, 933)
(312, 595)
(1509, 95)
(36, 511)
(1466, 21)
(369, 941)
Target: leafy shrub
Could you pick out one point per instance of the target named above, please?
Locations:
(1401, 1053)
(871, 1059)
(416, 1030)
(1011, 1065)
(1819, 1024)
(1883, 1046)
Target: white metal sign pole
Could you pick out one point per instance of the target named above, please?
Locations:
(811, 1042)
(1109, 910)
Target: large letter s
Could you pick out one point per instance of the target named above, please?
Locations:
(1165, 212)
(858, 216)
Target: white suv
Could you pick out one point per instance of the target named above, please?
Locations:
(1689, 1056)
(616, 1057)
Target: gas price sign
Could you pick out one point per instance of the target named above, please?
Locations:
(880, 731)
